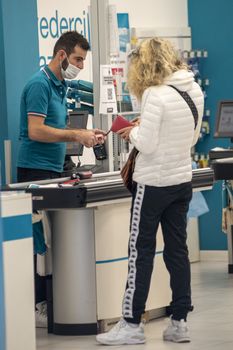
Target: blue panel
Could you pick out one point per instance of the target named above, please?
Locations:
(2, 304)
(211, 25)
(210, 224)
(2, 318)
(3, 119)
(19, 49)
(17, 227)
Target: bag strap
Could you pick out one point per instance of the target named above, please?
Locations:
(190, 103)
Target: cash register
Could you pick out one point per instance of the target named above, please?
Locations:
(221, 159)
(78, 119)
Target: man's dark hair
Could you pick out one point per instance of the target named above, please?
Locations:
(68, 41)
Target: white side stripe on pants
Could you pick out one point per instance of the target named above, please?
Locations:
(127, 307)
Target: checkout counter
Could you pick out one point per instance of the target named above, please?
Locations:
(221, 160)
(90, 223)
(222, 163)
(18, 328)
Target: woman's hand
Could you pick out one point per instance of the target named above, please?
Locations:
(136, 121)
(124, 133)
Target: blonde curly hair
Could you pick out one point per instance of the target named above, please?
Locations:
(150, 63)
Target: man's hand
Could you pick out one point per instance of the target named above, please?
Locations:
(86, 137)
(101, 135)
(90, 138)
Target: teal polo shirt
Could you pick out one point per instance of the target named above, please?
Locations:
(43, 96)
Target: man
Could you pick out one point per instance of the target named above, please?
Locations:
(43, 125)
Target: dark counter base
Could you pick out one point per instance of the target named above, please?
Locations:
(75, 329)
(230, 268)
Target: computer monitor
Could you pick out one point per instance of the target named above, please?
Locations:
(76, 120)
(224, 121)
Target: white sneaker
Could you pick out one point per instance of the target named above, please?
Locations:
(123, 333)
(177, 331)
(41, 315)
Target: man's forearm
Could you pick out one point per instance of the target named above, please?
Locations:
(45, 133)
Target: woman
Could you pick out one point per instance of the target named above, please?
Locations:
(162, 185)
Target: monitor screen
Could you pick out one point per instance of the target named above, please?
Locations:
(224, 122)
(76, 120)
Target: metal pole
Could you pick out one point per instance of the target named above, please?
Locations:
(100, 55)
(8, 165)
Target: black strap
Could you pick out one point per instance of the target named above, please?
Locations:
(190, 103)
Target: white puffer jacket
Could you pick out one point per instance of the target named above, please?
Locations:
(166, 133)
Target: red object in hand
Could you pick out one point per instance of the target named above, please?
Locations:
(119, 123)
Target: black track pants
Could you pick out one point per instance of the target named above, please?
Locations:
(151, 206)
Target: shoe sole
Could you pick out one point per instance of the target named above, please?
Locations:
(129, 342)
(182, 340)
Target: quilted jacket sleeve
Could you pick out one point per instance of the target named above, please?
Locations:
(145, 137)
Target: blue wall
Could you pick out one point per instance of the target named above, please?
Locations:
(212, 26)
(2, 322)
(19, 50)
(2, 316)
(3, 121)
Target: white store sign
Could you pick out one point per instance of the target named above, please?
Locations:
(58, 16)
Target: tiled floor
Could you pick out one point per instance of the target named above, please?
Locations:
(211, 323)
